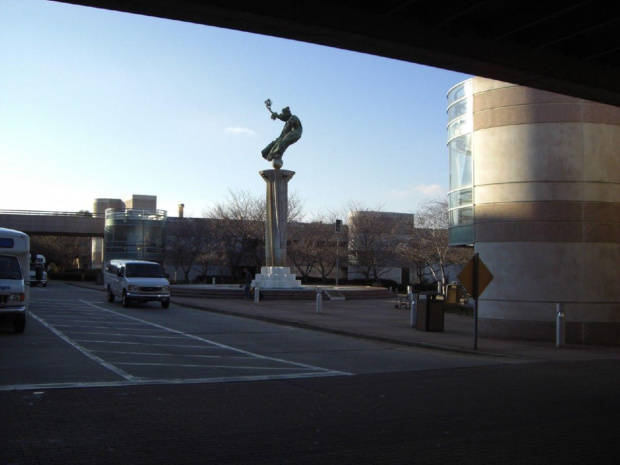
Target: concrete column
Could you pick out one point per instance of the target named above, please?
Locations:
(276, 275)
(547, 213)
(277, 212)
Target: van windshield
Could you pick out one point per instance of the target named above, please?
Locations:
(144, 270)
(9, 267)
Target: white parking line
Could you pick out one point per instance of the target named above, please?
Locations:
(217, 344)
(162, 333)
(155, 354)
(93, 357)
(210, 366)
(82, 333)
(153, 382)
(144, 343)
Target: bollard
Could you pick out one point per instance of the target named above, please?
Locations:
(319, 300)
(414, 312)
(256, 294)
(560, 335)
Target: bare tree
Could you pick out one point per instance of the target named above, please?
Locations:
(312, 247)
(212, 256)
(329, 245)
(186, 240)
(430, 242)
(62, 251)
(241, 226)
(302, 247)
(374, 238)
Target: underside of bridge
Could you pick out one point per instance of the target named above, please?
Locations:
(569, 47)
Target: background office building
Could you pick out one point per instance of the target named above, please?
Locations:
(535, 188)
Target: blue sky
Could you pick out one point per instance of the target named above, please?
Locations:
(101, 104)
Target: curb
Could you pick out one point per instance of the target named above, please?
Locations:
(343, 332)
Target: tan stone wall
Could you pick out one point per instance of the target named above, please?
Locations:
(547, 212)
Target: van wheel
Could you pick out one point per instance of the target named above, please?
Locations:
(109, 295)
(125, 299)
(165, 303)
(19, 326)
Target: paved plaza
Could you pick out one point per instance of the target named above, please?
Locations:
(558, 406)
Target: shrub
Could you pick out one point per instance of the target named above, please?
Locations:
(75, 275)
(425, 287)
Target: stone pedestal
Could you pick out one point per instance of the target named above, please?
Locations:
(276, 275)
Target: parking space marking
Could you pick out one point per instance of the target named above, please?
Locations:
(142, 343)
(154, 354)
(187, 365)
(213, 343)
(146, 382)
(133, 335)
(86, 352)
(75, 327)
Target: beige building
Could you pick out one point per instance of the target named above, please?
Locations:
(535, 187)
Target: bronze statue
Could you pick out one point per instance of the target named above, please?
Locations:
(291, 133)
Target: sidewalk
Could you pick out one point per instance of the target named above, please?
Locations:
(378, 319)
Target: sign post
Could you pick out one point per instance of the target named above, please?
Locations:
(338, 226)
(475, 276)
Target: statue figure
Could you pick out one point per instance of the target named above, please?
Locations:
(291, 133)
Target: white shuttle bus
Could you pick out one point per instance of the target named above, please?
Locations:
(14, 277)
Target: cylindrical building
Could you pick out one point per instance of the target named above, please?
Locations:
(134, 234)
(99, 208)
(535, 187)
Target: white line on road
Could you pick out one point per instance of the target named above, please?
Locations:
(154, 382)
(86, 352)
(155, 354)
(83, 333)
(128, 379)
(208, 366)
(217, 344)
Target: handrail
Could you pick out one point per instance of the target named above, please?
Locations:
(135, 214)
(52, 213)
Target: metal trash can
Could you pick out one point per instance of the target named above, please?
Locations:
(430, 311)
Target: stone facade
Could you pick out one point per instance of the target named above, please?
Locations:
(546, 197)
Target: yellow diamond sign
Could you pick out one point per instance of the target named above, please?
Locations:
(467, 276)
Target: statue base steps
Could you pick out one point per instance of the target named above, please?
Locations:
(276, 277)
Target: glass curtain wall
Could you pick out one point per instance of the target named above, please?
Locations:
(460, 197)
(134, 234)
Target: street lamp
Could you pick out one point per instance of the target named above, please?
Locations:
(338, 227)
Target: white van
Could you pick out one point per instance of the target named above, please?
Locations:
(136, 281)
(14, 262)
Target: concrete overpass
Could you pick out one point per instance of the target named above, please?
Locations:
(38, 223)
(569, 47)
